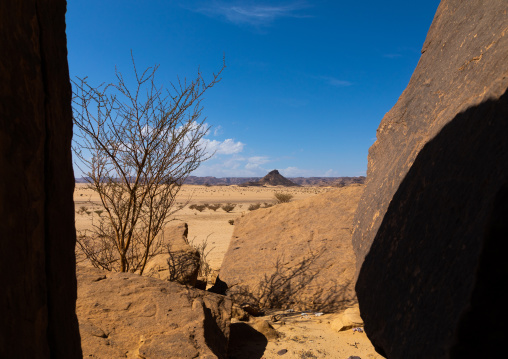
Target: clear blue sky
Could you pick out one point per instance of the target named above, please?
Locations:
(306, 83)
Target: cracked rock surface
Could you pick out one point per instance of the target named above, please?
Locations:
(124, 315)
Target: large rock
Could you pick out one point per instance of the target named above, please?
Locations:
(435, 201)
(127, 315)
(179, 261)
(37, 263)
(295, 255)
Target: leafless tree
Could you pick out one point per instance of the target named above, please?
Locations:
(136, 146)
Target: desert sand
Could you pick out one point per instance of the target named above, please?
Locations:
(209, 225)
(306, 336)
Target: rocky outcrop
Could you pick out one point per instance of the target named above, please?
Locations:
(295, 255)
(273, 178)
(179, 262)
(131, 316)
(436, 191)
(37, 263)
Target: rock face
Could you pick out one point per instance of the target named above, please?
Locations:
(436, 191)
(184, 259)
(273, 178)
(295, 255)
(37, 262)
(131, 316)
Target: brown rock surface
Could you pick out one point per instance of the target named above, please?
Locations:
(37, 262)
(127, 315)
(428, 226)
(184, 259)
(295, 255)
(464, 62)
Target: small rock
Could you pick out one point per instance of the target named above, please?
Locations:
(265, 328)
(282, 351)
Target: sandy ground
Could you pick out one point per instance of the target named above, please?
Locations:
(301, 336)
(211, 226)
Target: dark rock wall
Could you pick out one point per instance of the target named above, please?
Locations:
(431, 222)
(416, 283)
(464, 62)
(37, 234)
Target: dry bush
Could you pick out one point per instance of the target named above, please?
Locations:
(204, 268)
(267, 205)
(214, 207)
(291, 285)
(200, 207)
(136, 147)
(282, 197)
(228, 207)
(253, 207)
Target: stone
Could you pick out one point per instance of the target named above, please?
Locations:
(266, 328)
(180, 262)
(132, 316)
(295, 255)
(348, 319)
(37, 258)
(428, 226)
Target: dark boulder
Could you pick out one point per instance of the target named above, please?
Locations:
(37, 262)
(429, 225)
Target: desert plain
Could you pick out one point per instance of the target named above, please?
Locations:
(299, 335)
(208, 225)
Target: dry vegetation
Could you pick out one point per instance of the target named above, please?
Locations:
(201, 209)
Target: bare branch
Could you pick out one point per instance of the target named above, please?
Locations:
(136, 146)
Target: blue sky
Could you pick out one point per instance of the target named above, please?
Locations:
(306, 83)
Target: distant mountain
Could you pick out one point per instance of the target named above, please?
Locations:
(273, 178)
(302, 181)
(327, 181)
(214, 181)
(82, 180)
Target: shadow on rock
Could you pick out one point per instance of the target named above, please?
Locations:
(435, 270)
(246, 342)
(296, 286)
